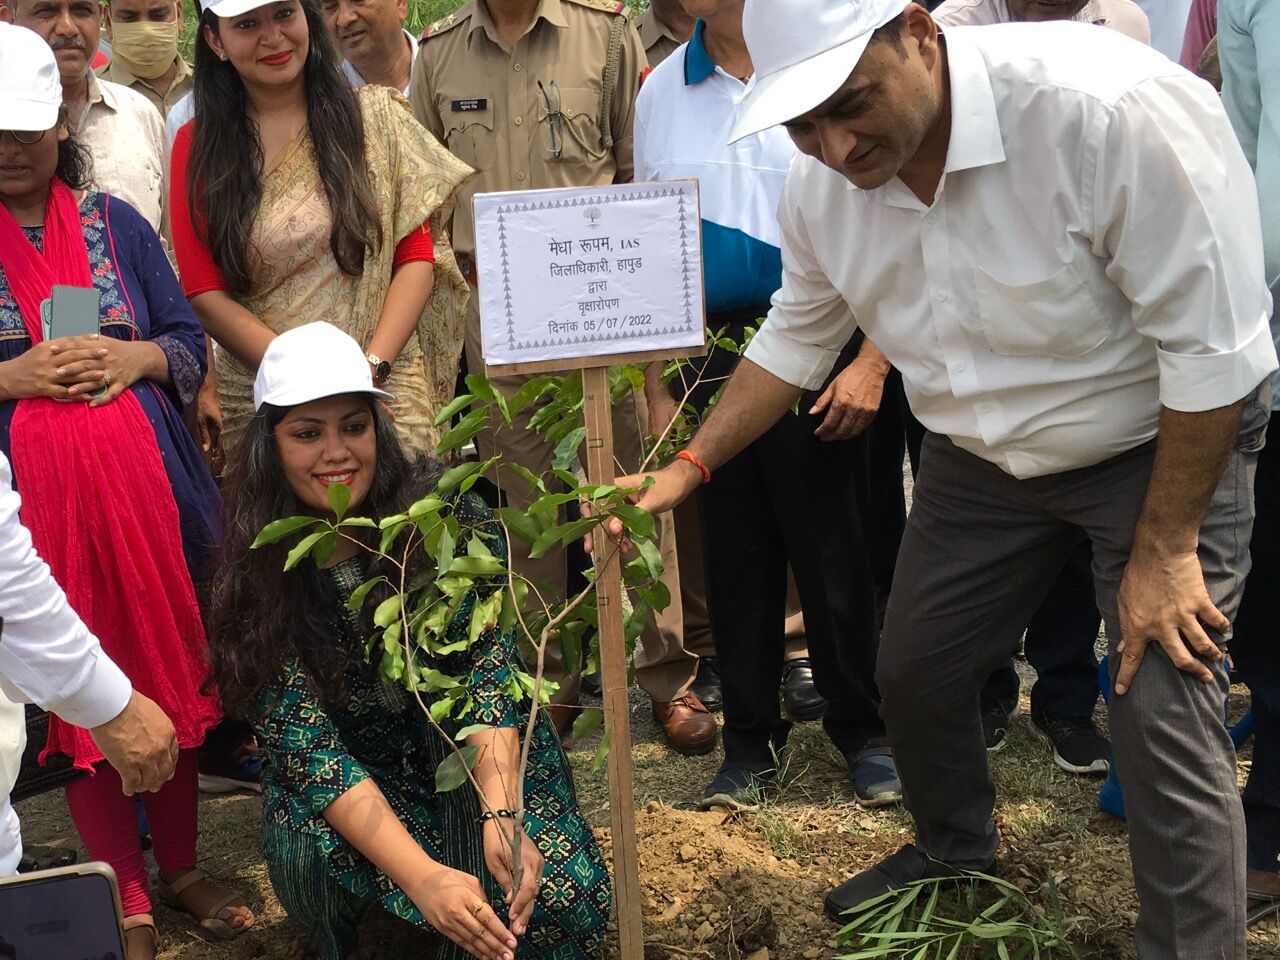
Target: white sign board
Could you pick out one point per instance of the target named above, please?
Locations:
(572, 276)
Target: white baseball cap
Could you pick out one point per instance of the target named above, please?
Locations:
(231, 8)
(30, 86)
(311, 362)
(802, 63)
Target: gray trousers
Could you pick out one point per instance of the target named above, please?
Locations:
(980, 551)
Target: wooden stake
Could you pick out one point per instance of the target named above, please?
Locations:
(613, 670)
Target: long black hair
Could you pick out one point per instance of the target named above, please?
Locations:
(260, 615)
(75, 163)
(224, 177)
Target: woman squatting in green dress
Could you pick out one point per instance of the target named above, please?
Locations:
(351, 816)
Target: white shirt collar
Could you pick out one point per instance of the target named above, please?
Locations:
(357, 81)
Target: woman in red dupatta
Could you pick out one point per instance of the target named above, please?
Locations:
(113, 488)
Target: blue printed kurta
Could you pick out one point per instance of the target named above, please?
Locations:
(313, 756)
(139, 295)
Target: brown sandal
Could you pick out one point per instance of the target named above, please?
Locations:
(144, 921)
(214, 922)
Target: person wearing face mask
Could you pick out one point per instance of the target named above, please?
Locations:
(114, 493)
(119, 127)
(144, 50)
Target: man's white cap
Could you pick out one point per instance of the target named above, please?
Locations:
(311, 362)
(803, 50)
(30, 86)
(231, 8)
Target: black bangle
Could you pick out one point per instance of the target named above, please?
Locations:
(494, 814)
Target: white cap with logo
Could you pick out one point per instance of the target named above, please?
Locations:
(311, 362)
(801, 64)
(30, 86)
(231, 8)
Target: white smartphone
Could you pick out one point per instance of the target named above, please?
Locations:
(70, 913)
(73, 311)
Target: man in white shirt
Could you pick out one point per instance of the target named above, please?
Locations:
(375, 46)
(49, 657)
(1052, 232)
(119, 127)
(1123, 16)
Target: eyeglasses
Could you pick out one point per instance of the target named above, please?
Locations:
(25, 137)
(555, 119)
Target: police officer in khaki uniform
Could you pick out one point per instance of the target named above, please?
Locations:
(663, 26)
(535, 94)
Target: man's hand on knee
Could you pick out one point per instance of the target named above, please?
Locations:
(1163, 599)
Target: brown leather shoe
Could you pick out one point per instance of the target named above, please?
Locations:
(686, 724)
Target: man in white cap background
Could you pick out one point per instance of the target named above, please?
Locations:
(119, 127)
(1017, 216)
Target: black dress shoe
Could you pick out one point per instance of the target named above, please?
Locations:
(894, 872)
(800, 698)
(706, 685)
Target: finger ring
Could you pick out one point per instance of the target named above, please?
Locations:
(106, 379)
(475, 911)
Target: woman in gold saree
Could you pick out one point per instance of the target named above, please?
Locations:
(295, 198)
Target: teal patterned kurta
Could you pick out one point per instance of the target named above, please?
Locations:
(313, 757)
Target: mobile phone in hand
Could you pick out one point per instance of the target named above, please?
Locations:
(71, 913)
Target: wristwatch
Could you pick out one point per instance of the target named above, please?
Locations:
(381, 368)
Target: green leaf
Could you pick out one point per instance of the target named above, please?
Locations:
(466, 429)
(530, 391)
(519, 523)
(651, 556)
(476, 567)
(388, 611)
(602, 751)
(452, 772)
(479, 384)
(325, 548)
(426, 507)
(567, 449)
(473, 728)
(455, 475)
(563, 533)
(444, 552)
(587, 723)
(638, 522)
(278, 529)
(366, 522)
(460, 402)
(339, 499)
(358, 595)
(303, 548)
(389, 534)
(441, 709)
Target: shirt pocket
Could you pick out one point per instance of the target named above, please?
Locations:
(575, 128)
(469, 135)
(1058, 316)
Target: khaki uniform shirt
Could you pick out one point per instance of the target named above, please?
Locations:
(659, 42)
(124, 134)
(181, 86)
(482, 99)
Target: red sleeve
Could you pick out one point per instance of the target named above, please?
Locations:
(416, 246)
(196, 267)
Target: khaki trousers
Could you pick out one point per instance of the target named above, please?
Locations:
(664, 668)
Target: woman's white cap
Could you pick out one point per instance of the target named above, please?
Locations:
(802, 51)
(30, 86)
(311, 362)
(232, 8)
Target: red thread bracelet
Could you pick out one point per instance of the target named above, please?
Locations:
(702, 467)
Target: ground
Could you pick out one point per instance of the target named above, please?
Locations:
(707, 874)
